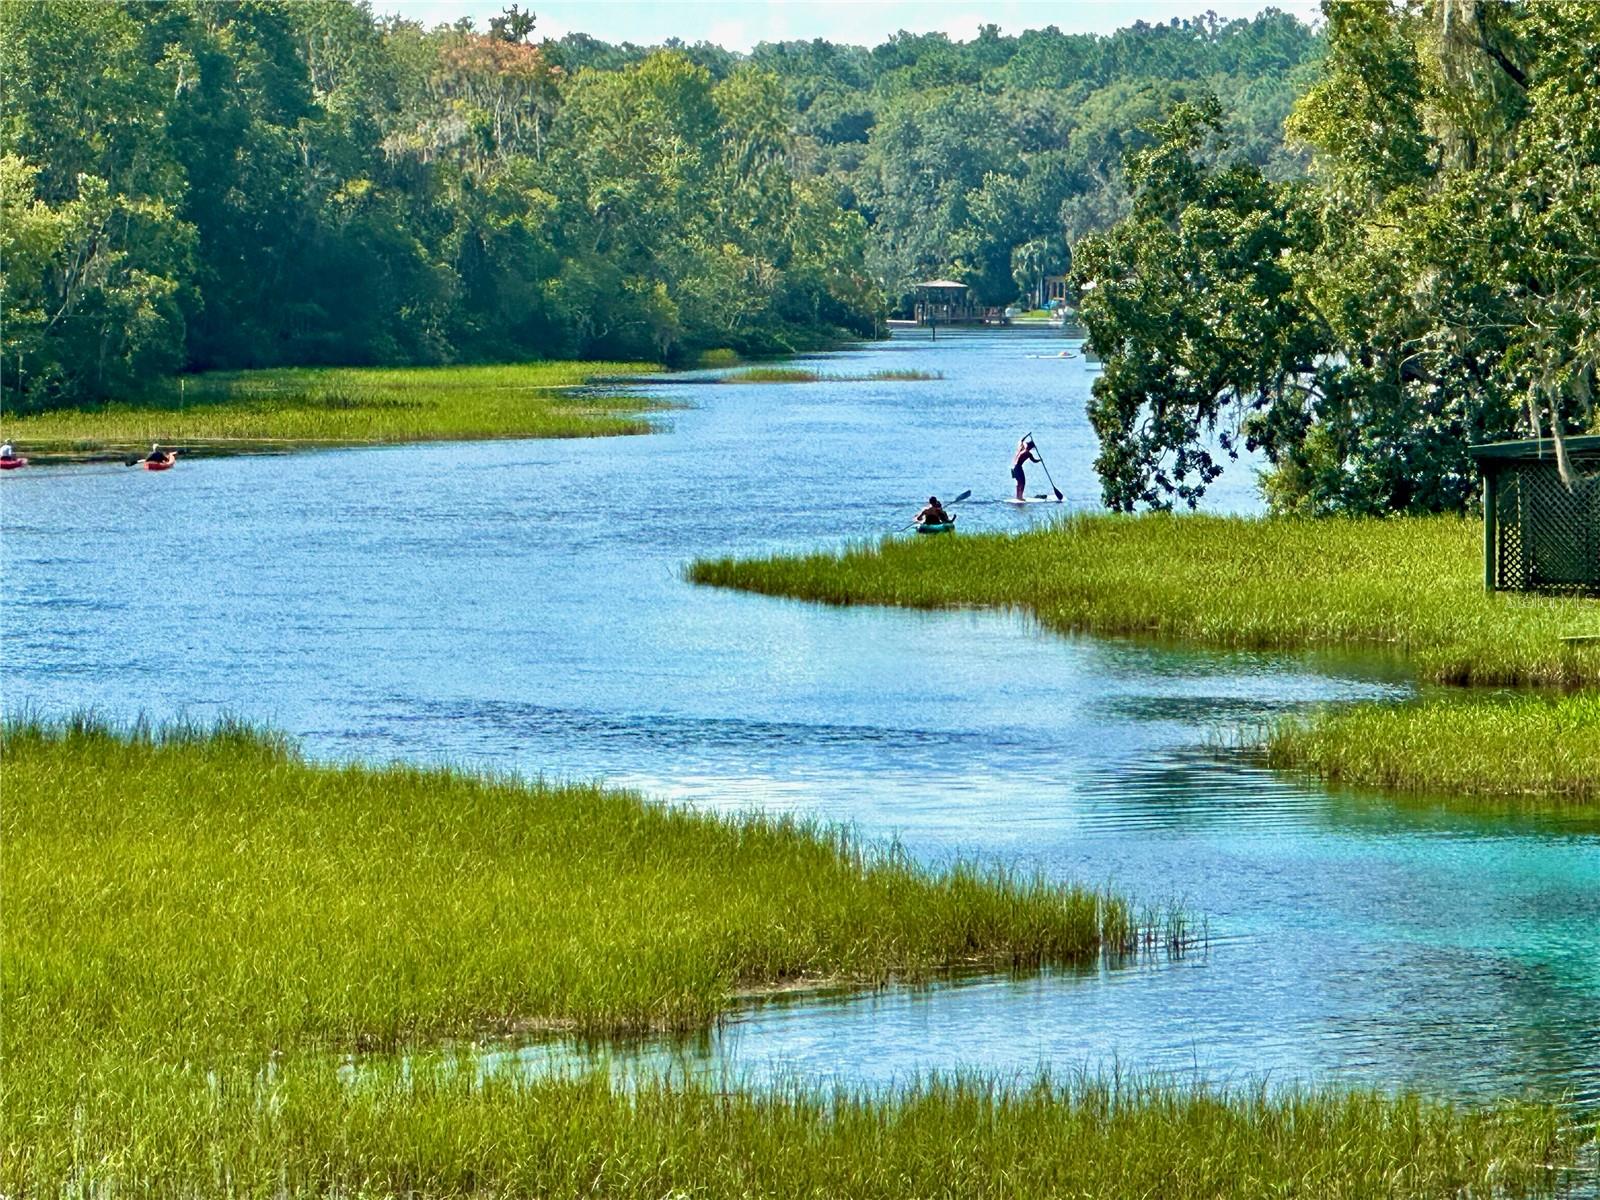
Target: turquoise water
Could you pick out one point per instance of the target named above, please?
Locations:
(521, 605)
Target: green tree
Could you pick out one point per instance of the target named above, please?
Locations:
(88, 291)
(1191, 303)
(1434, 285)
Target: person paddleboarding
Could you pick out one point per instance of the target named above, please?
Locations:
(1025, 454)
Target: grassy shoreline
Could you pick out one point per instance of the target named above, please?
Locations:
(510, 893)
(1407, 585)
(438, 1129)
(298, 407)
(1493, 746)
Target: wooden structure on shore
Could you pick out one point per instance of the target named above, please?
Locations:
(947, 302)
(1539, 533)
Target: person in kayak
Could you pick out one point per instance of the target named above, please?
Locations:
(1025, 454)
(7, 452)
(158, 455)
(935, 514)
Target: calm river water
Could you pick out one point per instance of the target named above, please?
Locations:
(520, 604)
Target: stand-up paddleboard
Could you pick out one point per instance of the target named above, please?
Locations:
(1033, 500)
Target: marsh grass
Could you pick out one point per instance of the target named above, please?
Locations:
(185, 906)
(441, 1128)
(349, 405)
(809, 375)
(1410, 586)
(200, 928)
(1538, 745)
(353, 906)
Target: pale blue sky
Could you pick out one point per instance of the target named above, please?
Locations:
(738, 26)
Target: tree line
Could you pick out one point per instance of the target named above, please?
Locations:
(987, 160)
(196, 184)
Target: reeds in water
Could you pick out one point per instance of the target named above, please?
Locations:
(185, 906)
(200, 927)
(199, 890)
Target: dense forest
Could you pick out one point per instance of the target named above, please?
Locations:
(1433, 282)
(985, 160)
(195, 184)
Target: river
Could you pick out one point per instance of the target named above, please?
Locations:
(521, 605)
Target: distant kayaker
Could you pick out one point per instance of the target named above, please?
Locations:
(158, 455)
(7, 451)
(1025, 454)
(935, 514)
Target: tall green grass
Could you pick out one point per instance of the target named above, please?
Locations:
(348, 405)
(186, 908)
(1547, 746)
(1411, 586)
(200, 929)
(197, 890)
(436, 1129)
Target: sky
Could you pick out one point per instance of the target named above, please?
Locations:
(740, 25)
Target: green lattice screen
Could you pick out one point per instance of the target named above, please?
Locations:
(1549, 534)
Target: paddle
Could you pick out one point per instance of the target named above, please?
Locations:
(964, 495)
(1040, 457)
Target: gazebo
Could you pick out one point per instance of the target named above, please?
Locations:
(1539, 534)
(945, 302)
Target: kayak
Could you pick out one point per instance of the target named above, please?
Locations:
(159, 464)
(11, 464)
(937, 527)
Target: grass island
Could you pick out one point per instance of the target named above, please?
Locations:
(289, 408)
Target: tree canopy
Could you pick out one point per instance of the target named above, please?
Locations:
(194, 184)
(1432, 284)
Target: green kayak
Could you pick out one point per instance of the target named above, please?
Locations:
(939, 527)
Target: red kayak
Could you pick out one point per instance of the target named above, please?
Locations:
(11, 464)
(160, 464)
